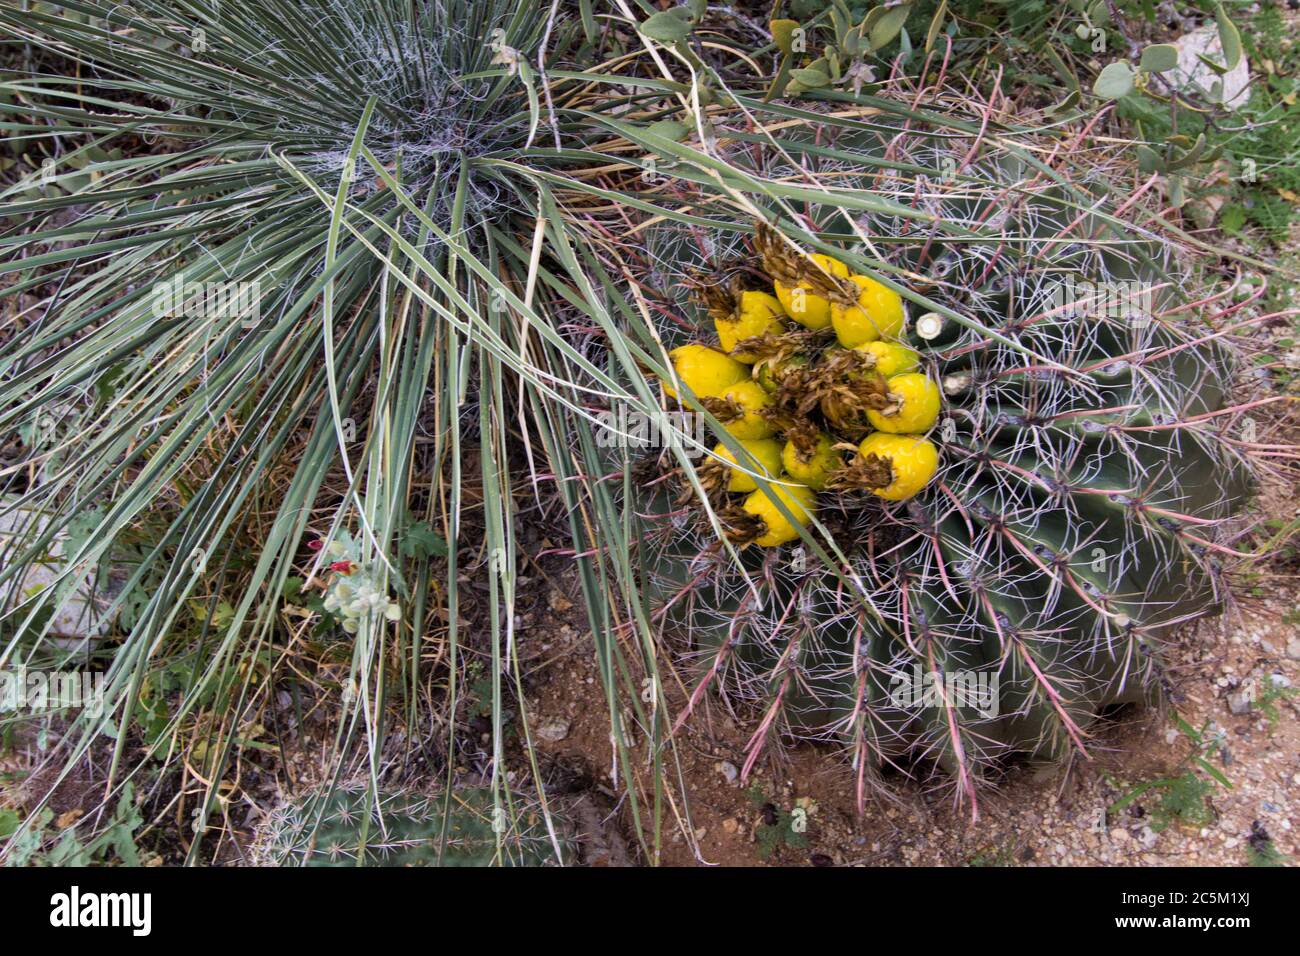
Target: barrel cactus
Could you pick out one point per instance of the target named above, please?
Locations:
(348, 826)
(1086, 466)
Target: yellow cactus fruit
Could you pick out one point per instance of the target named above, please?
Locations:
(811, 469)
(755, 314)
(765, 451)
(777, 529)
(914, 405)
(802, 303)
(740, 408)
(891, 357)
(707, 372)
(878, 314)
(912, 459)
(803, 283)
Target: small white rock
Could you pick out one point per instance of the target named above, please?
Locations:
(554, 730)
(1190, 69)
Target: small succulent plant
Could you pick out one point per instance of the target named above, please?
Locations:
(347, 826)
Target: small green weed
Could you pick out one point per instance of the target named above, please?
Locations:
(1260, 849)
(780, 827)
(1267, 700)
(1182, 796)
(40, 844)
(993, 856)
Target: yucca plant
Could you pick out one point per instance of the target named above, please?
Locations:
(288, 274)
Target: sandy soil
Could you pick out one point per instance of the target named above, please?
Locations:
(1036, 816)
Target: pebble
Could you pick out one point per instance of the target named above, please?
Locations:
(1239, 703)
(554, 730)
(1119, 835)
(728, 770)
(1293, 649)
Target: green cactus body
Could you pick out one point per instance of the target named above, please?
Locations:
(1071, 525)
(348, 827)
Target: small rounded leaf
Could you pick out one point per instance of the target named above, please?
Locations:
(887, 25)
(1159, 57)
(1115, 80)
(667, 26)
(811, 79)
(783, 35)
(1149, 161)
(673, 130)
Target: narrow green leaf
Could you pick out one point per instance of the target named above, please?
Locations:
(1177, 192)
(589, 28)
(1214, 65)
(1229, 36)
(936, 24)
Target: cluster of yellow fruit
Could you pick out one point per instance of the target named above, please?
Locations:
(767, 379)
